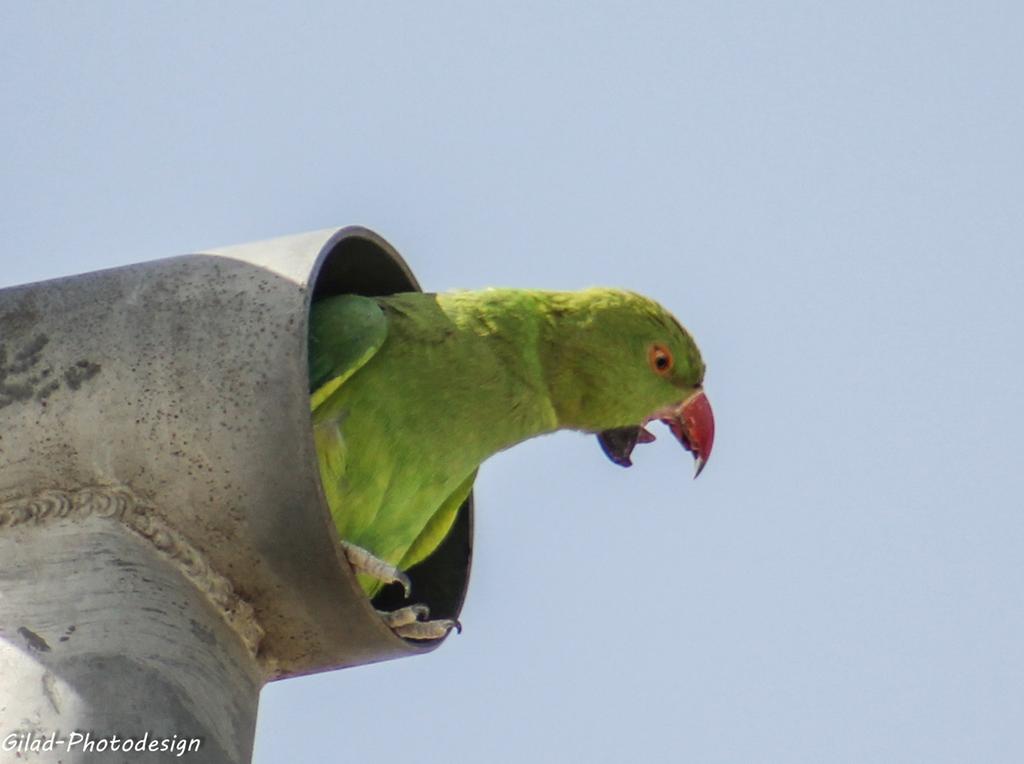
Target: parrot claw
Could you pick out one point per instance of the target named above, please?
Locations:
(404, 615)
(374, 567)
(411, 622)
(422, 630)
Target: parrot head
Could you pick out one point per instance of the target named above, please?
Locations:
(628, 363)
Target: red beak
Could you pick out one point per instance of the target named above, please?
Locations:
(693, 424)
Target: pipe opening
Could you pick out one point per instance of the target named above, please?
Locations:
(358, 261)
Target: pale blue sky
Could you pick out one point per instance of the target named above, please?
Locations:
(828, 194)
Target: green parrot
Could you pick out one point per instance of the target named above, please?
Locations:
(412, 392)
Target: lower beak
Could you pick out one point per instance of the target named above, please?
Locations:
(693, 424)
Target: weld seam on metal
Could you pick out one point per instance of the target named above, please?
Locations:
(119, 503)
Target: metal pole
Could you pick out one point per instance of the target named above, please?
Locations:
(165, 548)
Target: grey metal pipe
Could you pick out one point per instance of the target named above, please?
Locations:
(165, 547)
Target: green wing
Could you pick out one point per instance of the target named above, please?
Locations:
(344, 333)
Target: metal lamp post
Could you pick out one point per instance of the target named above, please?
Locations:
(165, 547)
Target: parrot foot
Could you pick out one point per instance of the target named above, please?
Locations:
(364, 562)
(410, 623)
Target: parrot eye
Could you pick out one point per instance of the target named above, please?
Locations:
(660, 359)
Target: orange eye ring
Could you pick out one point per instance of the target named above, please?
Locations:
(660, 359)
